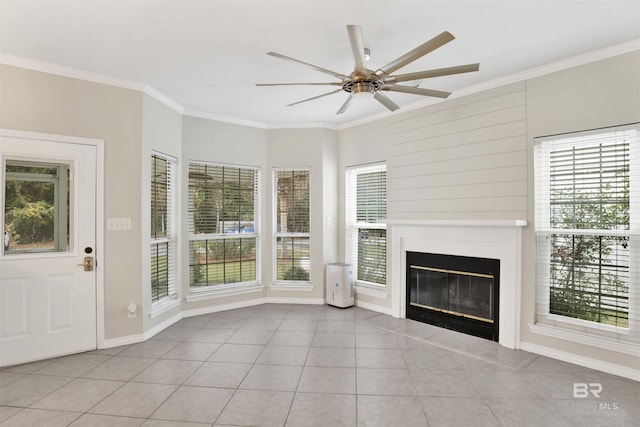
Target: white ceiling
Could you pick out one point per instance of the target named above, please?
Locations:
(207, 55)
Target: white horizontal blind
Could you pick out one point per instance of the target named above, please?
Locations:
(222, 199)
(223, 224)
(163, 234)
(292, 224)
(371, 195)
(586, 224)
(366, 208)
(292, 195)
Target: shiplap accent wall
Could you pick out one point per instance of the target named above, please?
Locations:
(463, 159)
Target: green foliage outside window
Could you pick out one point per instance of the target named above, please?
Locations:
(589, 271)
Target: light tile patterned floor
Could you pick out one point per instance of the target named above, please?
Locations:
(293, 365)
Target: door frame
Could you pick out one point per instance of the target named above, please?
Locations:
(99, 252)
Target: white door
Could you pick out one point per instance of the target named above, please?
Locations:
(48, 208)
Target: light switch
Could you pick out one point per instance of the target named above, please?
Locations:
(118, 224)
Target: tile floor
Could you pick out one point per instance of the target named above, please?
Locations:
(293, 365)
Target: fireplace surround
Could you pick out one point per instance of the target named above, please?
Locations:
(500, 240)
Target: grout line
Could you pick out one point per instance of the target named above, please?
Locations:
(457, 350)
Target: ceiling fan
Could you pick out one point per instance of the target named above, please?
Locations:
(364, 80)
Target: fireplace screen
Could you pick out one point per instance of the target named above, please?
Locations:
(453, 292)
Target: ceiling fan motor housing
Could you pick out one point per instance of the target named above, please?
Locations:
(359, 82)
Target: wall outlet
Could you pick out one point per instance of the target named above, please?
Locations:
(132, 310)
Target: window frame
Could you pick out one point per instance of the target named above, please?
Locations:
(544, 231)
(353, 226)
(171, 231)
(204, 291)
(292, 235)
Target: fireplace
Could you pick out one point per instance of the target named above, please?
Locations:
(461, 293)
(495, 239)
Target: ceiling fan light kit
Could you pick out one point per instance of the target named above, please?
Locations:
(364, 80)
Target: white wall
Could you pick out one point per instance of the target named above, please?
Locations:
(205, 140)
(360, 145)
(161, 132)
(471, 158)
(462, 159)
(40, 102)
(600, 94)
(467, 158)
(315, 149)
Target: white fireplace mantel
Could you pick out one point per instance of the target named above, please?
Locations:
(499, 239)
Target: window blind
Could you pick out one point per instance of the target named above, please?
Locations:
(366, 208)
(222, 199)
(372, 255)
(371, 195)
(292, 207)
(223, 224)
(292, 224)
(163, 234)
(586, 224)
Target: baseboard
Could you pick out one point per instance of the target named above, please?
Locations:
(120, 341)
(223, 307)
(587, 362)
(373, 307)
(162, 326)
(281, 300)
(137, 338)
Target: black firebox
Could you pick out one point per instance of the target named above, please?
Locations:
(454, 292)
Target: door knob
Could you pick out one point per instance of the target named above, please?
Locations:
(87, 263)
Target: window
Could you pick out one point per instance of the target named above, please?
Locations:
(291, 212)
(223, 225)
(36, 207)
(587, 224)
(163, 234)
(366, 206)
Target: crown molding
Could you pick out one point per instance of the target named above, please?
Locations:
(226, 119)
(553, 67)
(582, 59)
(164, 99)
(308, 125)
(74, 73)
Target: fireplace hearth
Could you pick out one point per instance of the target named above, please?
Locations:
(454, 292)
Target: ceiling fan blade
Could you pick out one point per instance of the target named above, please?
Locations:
(306, 64)
(300, 84)
(356, 39)
(346, 104)
(417, 91)
(432, 73)
(384, 100)
(418, 52)
(315, 97)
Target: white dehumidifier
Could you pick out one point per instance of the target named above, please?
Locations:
(339, 285)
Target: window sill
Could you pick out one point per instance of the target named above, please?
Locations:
(164, 305)
(222, 291)
(371, 289)
(581, 334)
(292, 286)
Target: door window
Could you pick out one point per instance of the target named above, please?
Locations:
(36, 207)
